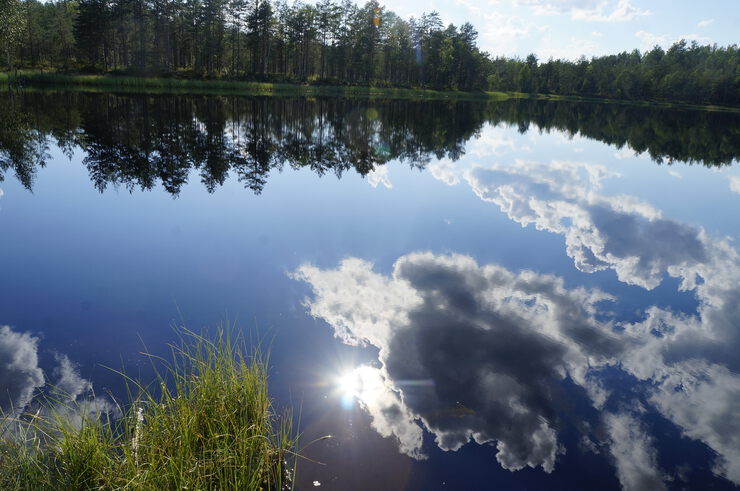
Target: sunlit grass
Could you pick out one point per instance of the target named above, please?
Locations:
(207, 423)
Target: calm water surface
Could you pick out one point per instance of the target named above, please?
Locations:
(513, 295)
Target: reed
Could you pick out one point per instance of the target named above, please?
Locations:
(206, 423)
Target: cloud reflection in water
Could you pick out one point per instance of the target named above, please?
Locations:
(69, 397)
(497, 345)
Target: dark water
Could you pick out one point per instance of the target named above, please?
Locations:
(513, 295)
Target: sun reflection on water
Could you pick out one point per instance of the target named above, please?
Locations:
(349, 387)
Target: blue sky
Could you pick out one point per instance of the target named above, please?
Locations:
(571, 28)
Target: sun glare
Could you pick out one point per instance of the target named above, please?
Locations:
(349, 384)
(363, 384)
(349, 388)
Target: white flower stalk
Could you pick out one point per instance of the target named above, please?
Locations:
(137, 433)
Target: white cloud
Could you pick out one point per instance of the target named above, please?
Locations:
(649, 40)
(21, 377)
(623, 11)
(555, 7)
(503, 33)
(511, 339)
(379, 175)
(675, 174)
(74, 400)
(587, 10)
(436, 312)
(504, 26)
(625, 153)
(633, 453)
(561, 197)
(735, 184)
(69, 384)
(696, 37)
(471, 6)
(490, 142)
(570, 50)
(390, 416)
(445, 171)
(705, 23)
(703, 400)
(623, 234)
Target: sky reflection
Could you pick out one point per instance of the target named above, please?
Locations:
(546, 289)
(497, 345)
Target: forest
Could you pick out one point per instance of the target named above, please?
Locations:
(336, 43)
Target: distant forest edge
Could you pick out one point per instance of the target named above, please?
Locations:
(336, 43)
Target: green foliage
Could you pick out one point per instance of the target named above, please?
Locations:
(257, 40)
(207, 423)
(685, 73)
(337, 43)
(11, 27)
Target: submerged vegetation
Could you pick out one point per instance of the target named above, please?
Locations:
(207, 423)
(335, 43)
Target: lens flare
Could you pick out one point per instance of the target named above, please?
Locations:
(349, 383)
(348, 386)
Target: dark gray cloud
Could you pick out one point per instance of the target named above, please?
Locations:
(692, 363)
(474, 353)
(601, 232)
(492, 346)
(478, 353)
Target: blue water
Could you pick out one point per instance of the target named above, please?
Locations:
(102, 276)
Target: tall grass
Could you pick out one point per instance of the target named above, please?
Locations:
(207, 423)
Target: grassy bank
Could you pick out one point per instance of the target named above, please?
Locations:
(181, 85)
(207, 423)
(165, 85)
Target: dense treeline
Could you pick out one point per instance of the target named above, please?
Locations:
(335, 42)
(666, 135)
(685, 72)
(141, 141)
(252, 39)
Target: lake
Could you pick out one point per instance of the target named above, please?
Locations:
(466, 295)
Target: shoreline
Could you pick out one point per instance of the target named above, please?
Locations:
(167, 85)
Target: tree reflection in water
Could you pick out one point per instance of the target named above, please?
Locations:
(138, 141)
